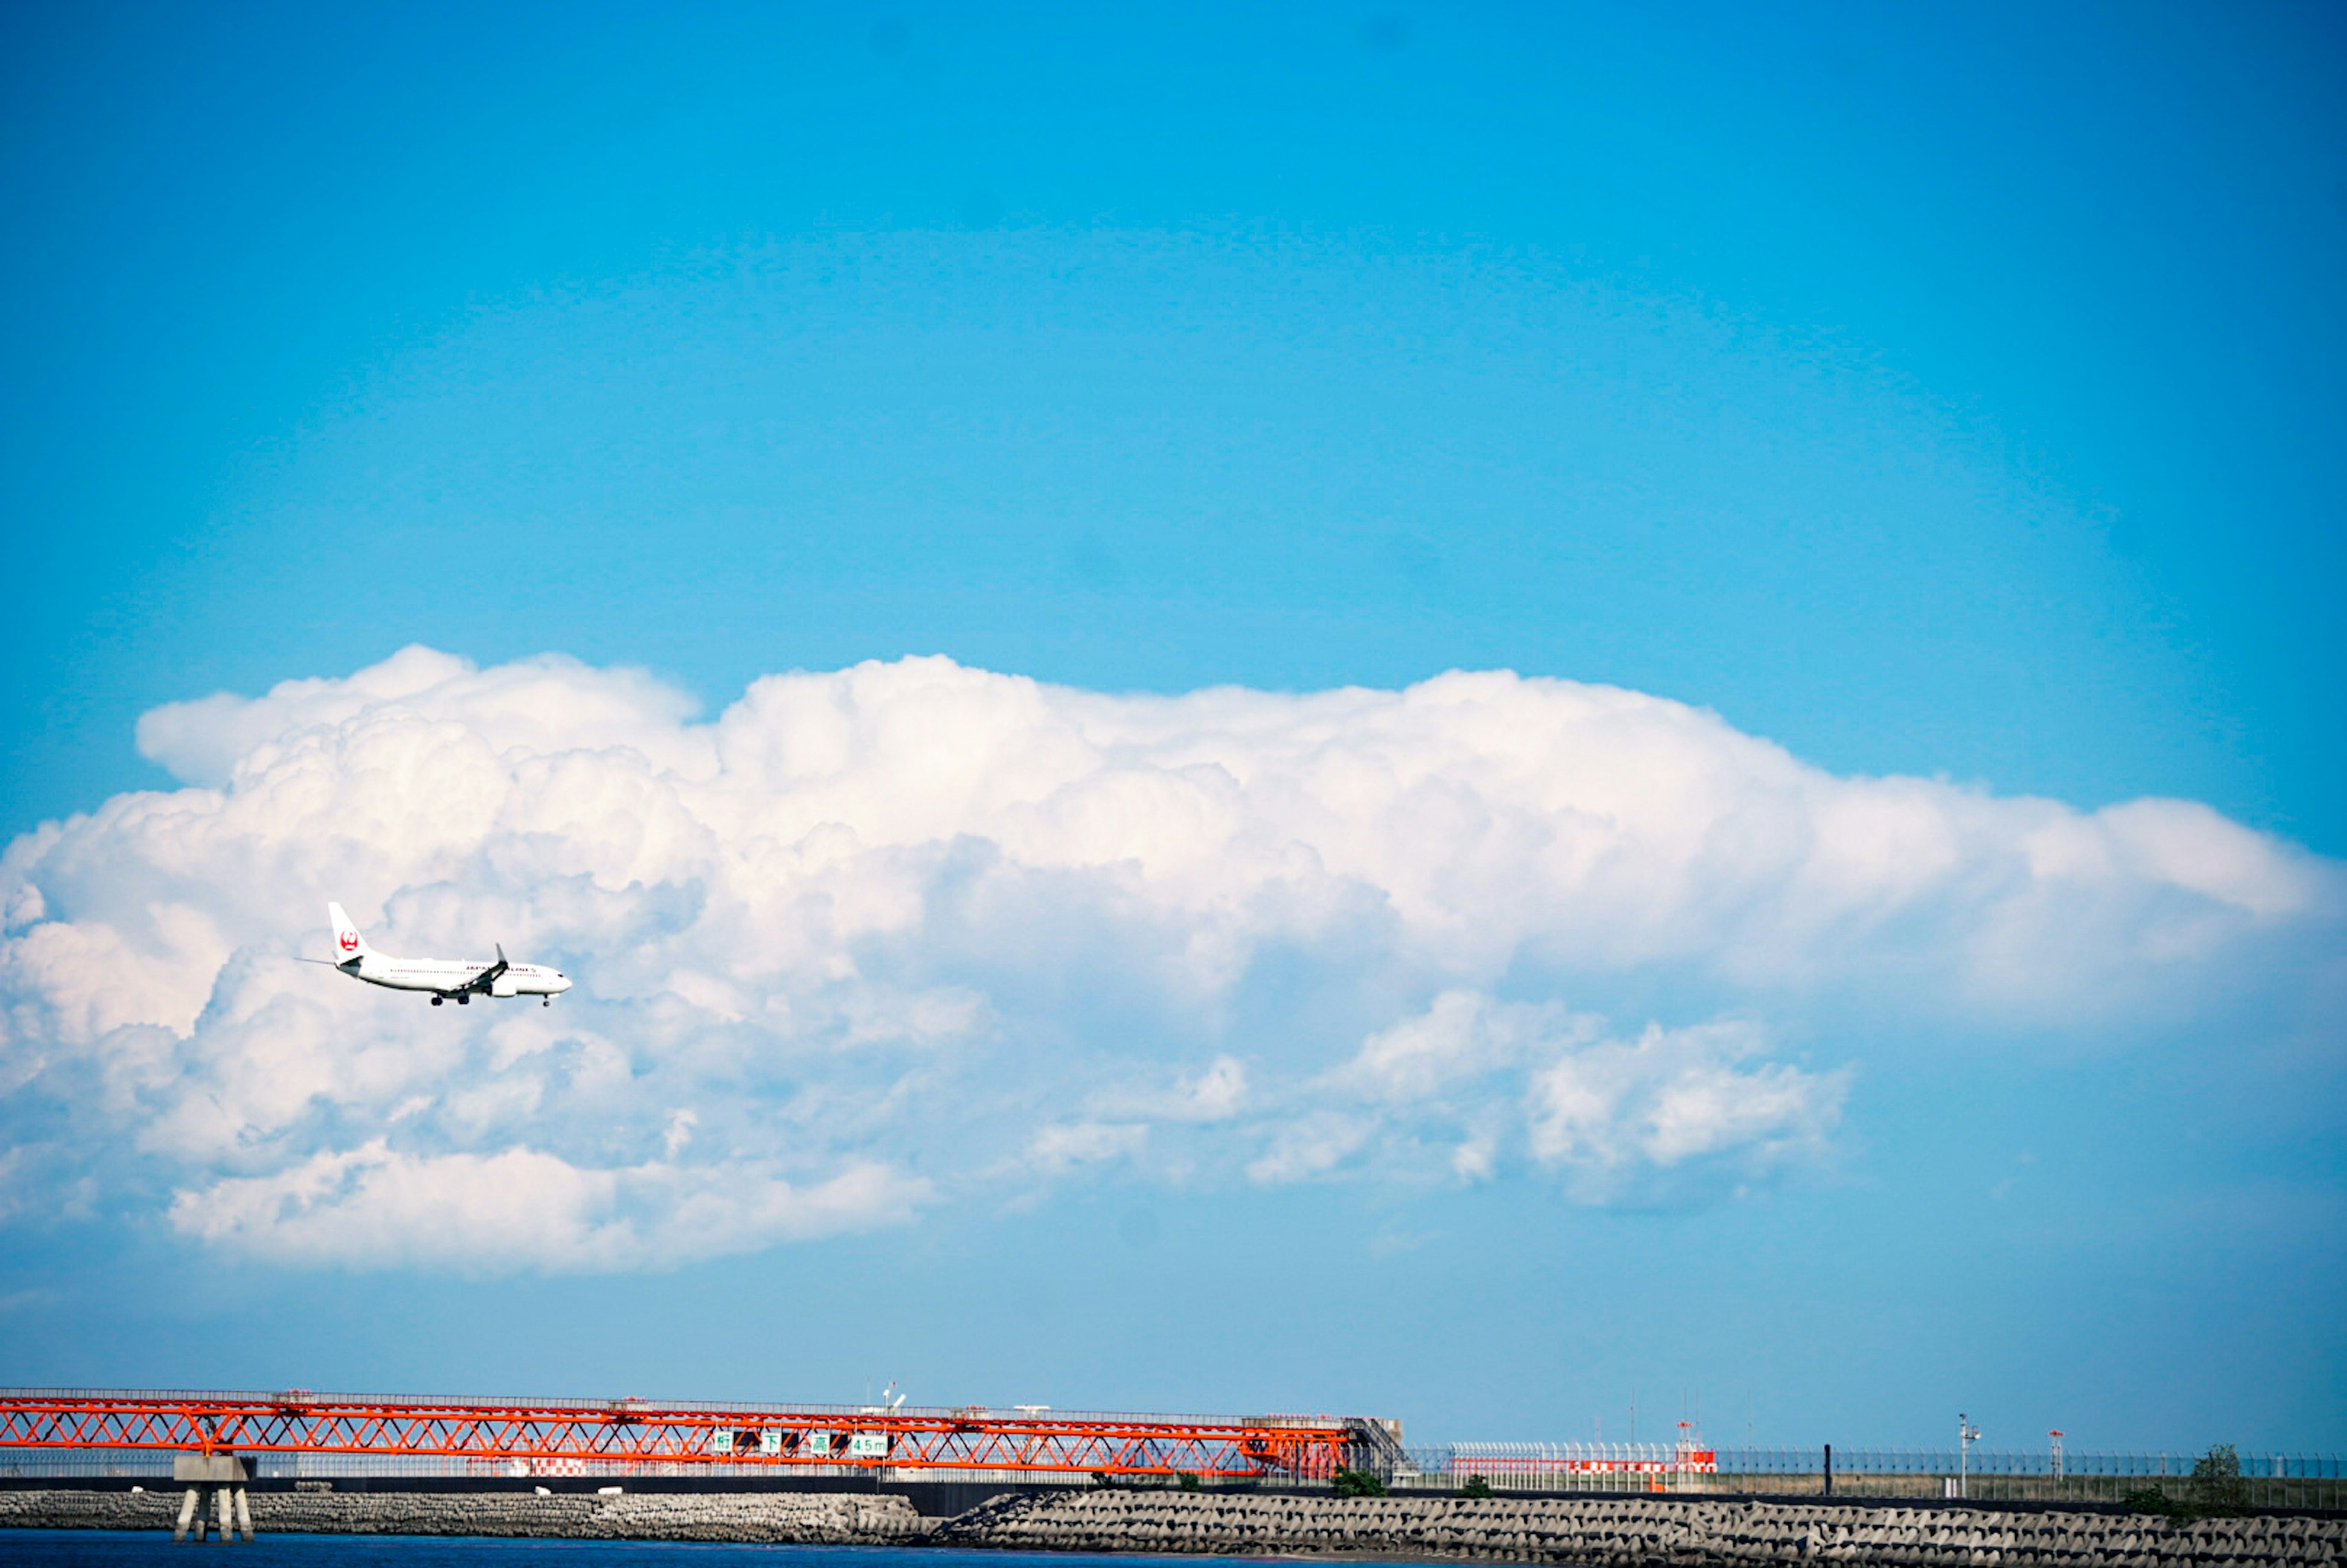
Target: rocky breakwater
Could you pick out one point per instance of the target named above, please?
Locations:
(1633, 1532)
(766, 1518)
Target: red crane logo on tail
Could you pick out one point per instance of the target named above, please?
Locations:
(350, 941)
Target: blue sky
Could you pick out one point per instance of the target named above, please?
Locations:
(1947, 400)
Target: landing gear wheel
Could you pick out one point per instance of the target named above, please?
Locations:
(547, 1004)
(464, 1001)
(438, 1001)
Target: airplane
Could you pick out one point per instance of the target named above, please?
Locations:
(443, 978)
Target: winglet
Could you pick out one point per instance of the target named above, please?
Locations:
(500, 946)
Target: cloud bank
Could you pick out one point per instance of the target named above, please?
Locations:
(876, 939)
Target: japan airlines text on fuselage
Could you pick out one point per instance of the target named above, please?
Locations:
(443, 978)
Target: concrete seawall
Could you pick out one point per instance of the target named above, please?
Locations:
(1631, 1531)
(1614, 1532)
(766, 1518)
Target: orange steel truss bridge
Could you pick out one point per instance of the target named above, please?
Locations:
(620, 1433)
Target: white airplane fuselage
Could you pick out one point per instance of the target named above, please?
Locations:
(447, 976)
(442, 978)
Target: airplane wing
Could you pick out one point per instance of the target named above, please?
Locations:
(485, 979)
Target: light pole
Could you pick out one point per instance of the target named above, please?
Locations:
(1967, 1435)
(2057, 1438)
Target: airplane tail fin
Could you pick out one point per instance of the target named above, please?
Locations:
(348, 943)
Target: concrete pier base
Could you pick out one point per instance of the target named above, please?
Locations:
(215, 1497)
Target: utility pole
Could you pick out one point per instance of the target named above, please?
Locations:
(1967, 1435)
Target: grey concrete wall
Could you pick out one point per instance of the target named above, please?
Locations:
(767, 1517)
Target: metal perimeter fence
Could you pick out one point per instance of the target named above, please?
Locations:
(2222, 1477)
(2293, 1480)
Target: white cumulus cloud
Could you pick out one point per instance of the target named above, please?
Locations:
(1472, 1082)
(373, 1206)
(1619, 1108)
(843, 949)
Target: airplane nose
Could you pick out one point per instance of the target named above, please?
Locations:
(562, 983)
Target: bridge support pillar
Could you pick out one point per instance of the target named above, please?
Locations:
(215, 1484)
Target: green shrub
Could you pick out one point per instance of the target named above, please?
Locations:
(1476, 1487)
(2151, 1500)
(2218, 1488)
(1187, 1480)
(1359, 1483)
(2216, 1491)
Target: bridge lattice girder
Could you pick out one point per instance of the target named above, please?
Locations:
(628, 1431)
